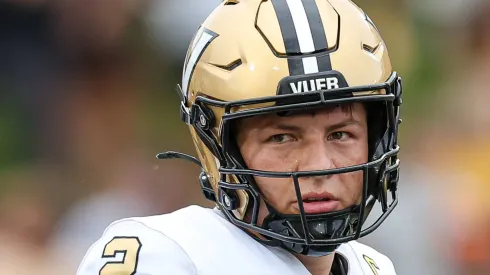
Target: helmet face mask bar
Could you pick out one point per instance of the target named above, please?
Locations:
(318, 234)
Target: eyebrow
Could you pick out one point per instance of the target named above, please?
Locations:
(336, 126)
(343, 124)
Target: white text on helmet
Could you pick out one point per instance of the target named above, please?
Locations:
(315, 84)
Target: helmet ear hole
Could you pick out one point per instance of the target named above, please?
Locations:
(393, 180)
(377, 128)
(382, 186)
(378, 135)
(377, 173)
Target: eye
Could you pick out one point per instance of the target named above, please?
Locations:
(281, 138)
(339, 136)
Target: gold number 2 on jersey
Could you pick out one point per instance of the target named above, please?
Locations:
(130, 247)
(372, 264)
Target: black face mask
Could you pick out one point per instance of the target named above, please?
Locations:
(313, 235)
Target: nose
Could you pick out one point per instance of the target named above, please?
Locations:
(317, 157)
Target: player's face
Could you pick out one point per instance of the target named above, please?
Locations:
(324, 139)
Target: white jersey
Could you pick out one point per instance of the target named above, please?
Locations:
(200, 241)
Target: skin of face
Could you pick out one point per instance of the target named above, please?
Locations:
(326, 138)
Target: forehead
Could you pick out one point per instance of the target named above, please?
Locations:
(326, 114)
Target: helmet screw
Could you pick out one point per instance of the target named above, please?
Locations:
(202, 120)
(226, 200)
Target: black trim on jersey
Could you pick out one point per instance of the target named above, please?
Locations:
(340, 265)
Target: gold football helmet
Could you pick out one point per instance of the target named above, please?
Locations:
(254, 57)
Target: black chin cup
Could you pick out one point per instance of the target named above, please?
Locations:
(312, 234)
(320, 227)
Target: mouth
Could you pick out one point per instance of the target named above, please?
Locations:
(317, 203)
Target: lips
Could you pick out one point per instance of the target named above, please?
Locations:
(317, 203)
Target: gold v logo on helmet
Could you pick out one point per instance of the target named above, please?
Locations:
(201, 41)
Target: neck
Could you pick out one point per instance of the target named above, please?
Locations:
(317, 265)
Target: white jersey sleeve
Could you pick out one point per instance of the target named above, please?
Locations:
(366, 260)
(129, 247)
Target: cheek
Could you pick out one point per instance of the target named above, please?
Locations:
(275, 190)
(279, 193)
(350, 154)
(352, 183)
(268, 159)
(352, 187)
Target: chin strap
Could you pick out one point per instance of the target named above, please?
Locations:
(340, 266)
